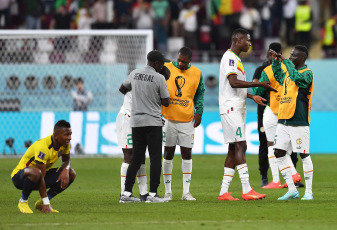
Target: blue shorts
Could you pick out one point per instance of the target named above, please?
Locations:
(50, 178)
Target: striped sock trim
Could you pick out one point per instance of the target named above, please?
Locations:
(285, 168)
(229, 175)
(243, 167)
(167, 174)
(187, 173)
(271, 157)
(123, 175)
(141, 175)
(308, 171)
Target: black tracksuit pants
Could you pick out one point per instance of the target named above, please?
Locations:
(142, 137)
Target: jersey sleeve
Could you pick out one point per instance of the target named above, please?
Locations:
(41, 155)
(127, 81)
(164, 93)
(199, 97)
(230, 65)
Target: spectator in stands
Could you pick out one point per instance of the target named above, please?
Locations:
(266, 18)
(162, 21)
(84, 21)
(250, 19)
(142, 15)
(5, 12)
(99, 14)
(175, 8)
(82, 98)
(189, 22)
(289, 9)
(62, 20)
(303, 23)
(122, 14)
(329, 37)
(33, 10)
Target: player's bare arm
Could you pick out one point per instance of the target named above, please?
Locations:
(196, 120)
(42, 187)
(165, 101)
(258, 100)
(236, 83)
(64, 175)
(123, 89)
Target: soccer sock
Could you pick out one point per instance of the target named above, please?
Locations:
(28, 187)
(292, 167)
(273, 164)
(124, 169)
(186, 167)
(308, 170)
(244, 176)
(56, 189)
(167, 174)
(286, 173)
(227, 179)
(142, 180)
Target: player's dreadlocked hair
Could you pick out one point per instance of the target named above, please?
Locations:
(302, 49)
(186, 52)
(61, 124)
(239, 31)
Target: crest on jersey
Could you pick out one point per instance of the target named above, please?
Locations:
(180, 82)
(41, 155)
(231, 62)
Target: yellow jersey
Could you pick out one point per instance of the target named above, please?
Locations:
(41, 151)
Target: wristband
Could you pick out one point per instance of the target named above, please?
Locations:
(45, 201)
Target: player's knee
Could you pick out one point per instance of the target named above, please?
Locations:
(72, 174)
(35, 175)
(304, 155)
(168, 155)
(242, 145)
(279, 153)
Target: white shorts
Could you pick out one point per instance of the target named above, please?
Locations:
(178, 133)
(234, 125)
(298, 137)
(124, 131)
(270, 120)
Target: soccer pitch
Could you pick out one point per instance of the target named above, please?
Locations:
(92, 200)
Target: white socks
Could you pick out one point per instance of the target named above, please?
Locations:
(286, 172)
(244, 176)
(291, 164)
(142, 180)
(186, 168)
(167, 175)
(124, 169)
(273, 164)
(227, 179)
(308, 170)
(141, 177)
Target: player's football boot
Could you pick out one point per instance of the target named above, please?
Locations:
(155, 199)
(39, 205)
(290, 196)
(168, 196)
(143, 197)
(128, 199)
(273, 185)
(24, 207)
(307, 196)
(188, 196)
(296, 178)
(226, 196)
(252, 195)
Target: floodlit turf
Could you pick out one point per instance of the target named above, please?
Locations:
(92, 201)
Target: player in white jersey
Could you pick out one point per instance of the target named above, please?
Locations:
(124, 138)
(232, 106)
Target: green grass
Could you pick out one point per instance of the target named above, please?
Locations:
(92, 201)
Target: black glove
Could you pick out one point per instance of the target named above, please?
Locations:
(165, 72)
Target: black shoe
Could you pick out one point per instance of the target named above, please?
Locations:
(299, 185)
(264, 182)
(143, 197)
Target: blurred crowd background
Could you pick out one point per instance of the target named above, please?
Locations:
(203, 25)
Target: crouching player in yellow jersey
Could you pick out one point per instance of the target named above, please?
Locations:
(294, 116)
(186, 88)
(35, 172)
